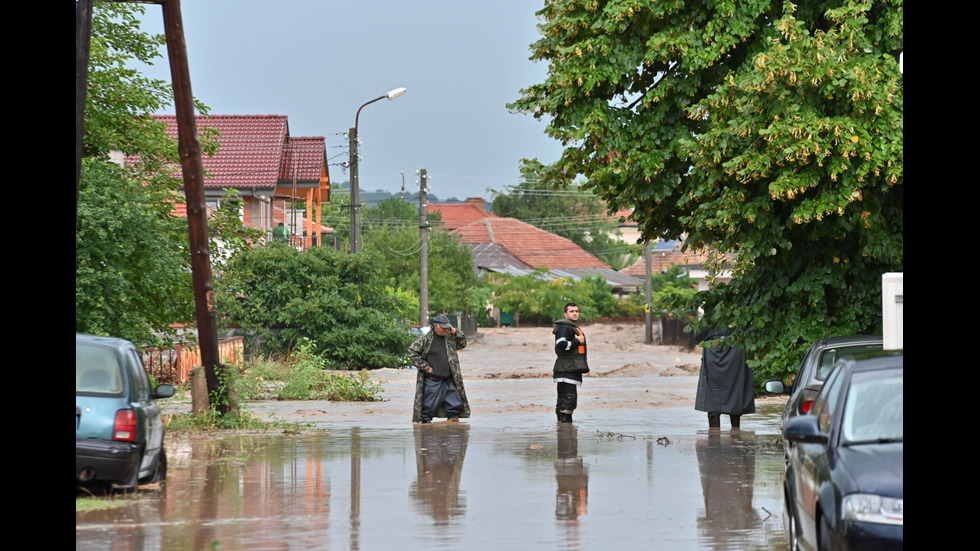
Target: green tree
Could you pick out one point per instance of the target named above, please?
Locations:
(539, 297)
(339, 302)
(393, 231)
(132, 276)
(132, 261)
(769, 131)
(570, 211)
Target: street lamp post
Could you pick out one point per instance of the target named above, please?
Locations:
(355, 200)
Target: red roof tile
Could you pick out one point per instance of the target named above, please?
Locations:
(457, 215)
(306, 155)
(529, 244)
(251, 151)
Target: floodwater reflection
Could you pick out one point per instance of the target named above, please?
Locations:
(448, 485)
(439, 452)
(727, 465)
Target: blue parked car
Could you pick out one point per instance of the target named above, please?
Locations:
(844, 484)
(118, 424)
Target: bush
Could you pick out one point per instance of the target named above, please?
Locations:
(303, 376)
(279, 296)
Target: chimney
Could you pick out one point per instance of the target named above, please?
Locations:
(478, 202)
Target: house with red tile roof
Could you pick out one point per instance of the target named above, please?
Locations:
(457, 215)
(270, 169)
(507, 245)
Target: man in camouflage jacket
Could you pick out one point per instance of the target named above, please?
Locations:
(443, 382)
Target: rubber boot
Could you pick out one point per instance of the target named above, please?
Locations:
(736, 421)
(564, 417)
(714, 421)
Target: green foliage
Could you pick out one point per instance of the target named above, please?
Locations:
(227, 234)
(672, 293)
(279, 296)
(772, 131)
(567, 209)
(394, 235)
(212, 420)
(538, 295)
(301, 376)
(132, 261)
(132, 277)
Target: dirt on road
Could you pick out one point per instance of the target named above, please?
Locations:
(507, 373)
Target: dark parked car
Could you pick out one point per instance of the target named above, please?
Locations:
(845, 477)
(817, 364)
(118, 425)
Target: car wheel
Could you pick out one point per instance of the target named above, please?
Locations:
(824, 538)
(159, 471)
(794, 534)
(131, 484)
(162, 467)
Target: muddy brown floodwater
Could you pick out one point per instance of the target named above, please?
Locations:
(638, 469)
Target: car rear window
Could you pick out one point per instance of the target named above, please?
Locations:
(831, 355)
(96, 370)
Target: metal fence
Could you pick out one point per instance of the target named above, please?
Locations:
(173, 365)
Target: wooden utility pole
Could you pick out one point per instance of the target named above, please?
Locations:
(83, 38)
(423, 252)
(191, 165)
(189, 146)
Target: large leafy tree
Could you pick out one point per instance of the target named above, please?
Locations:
(769, 131)
(570, 211)
(132, 265)
(132, 277)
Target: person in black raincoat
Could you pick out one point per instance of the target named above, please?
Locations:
(725, 383)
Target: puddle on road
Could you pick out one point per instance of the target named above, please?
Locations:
(456, 485)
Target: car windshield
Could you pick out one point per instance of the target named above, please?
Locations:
(96, 370)
(831, 355)
(874, 410)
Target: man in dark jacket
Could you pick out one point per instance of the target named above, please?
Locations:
(571, 363)
(725, 382)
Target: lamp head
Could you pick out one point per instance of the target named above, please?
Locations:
(395, 93)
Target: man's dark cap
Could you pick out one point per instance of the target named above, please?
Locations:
(442, 321)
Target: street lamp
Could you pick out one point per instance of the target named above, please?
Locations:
(355, 201)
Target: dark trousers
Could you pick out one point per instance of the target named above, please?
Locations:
(567, 398)
(439, 393)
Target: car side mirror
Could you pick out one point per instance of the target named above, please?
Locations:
(163, 391)
(776, 387)
(804, 428)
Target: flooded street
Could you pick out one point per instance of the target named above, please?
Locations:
(451, 485)
(638, 469)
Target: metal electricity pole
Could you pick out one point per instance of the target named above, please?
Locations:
(355, 199)
(423, 253)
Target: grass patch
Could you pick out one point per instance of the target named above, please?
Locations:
(212, 421)
(303, 376)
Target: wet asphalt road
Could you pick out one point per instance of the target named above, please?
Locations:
(530, 483)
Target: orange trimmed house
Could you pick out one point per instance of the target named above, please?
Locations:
(272, 171)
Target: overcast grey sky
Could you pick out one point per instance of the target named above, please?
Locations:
(318, 61)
